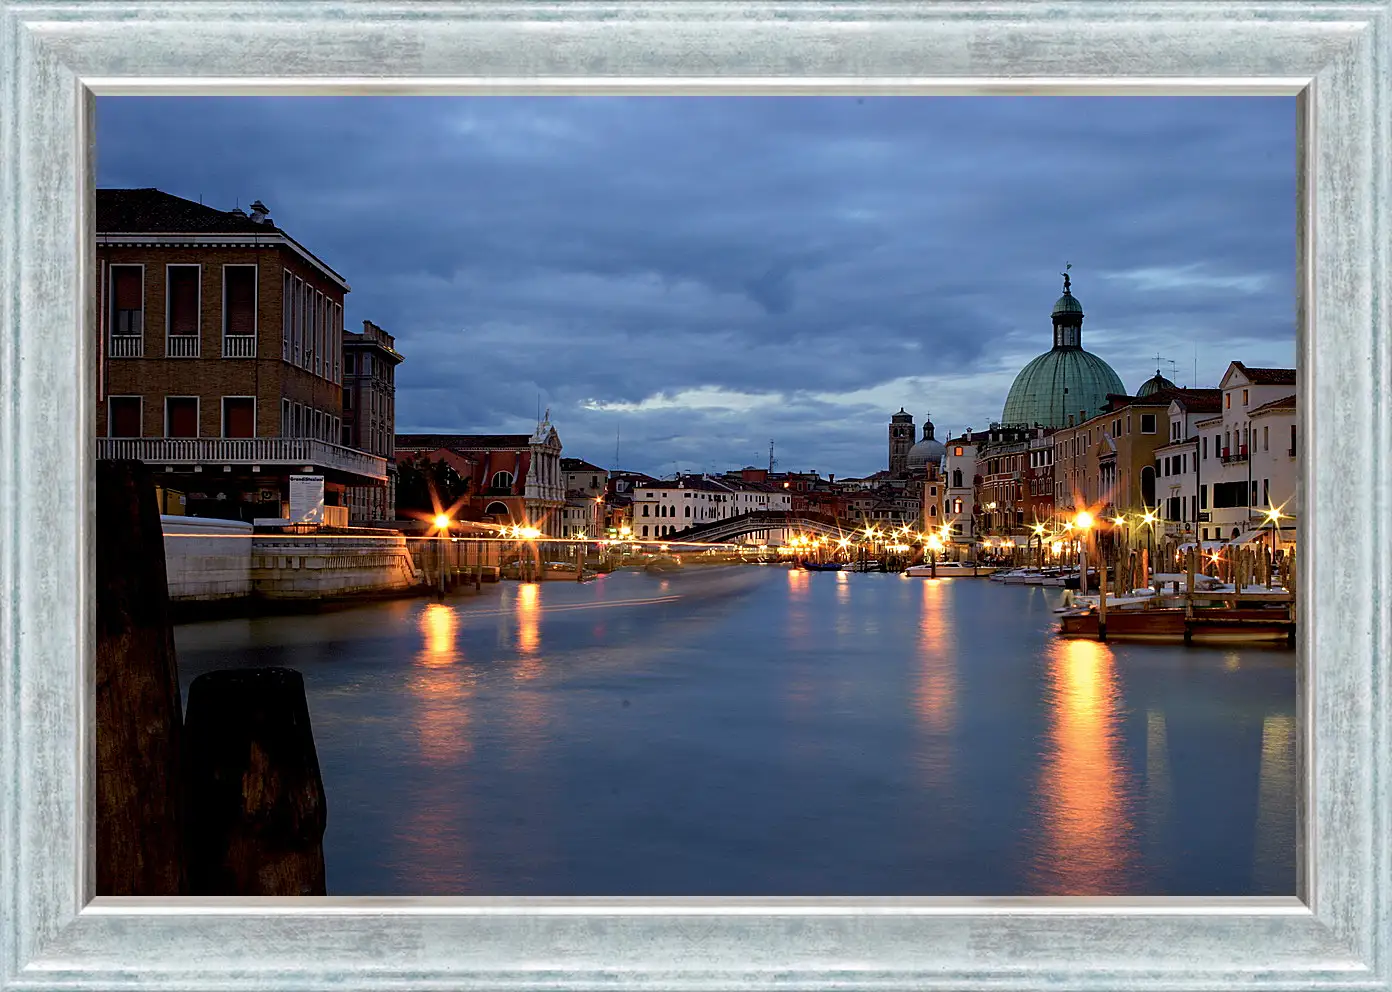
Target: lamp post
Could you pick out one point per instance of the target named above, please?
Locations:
(1083, 523)
(934, 546)
(1273, 515)
(1148, 518)
(442, 526)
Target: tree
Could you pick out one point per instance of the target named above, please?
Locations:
(425, 487)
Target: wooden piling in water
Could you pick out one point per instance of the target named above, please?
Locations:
(139, 801)
(257, 809)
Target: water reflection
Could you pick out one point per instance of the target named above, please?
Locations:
(935, 697)
(528, 629)
(1277, 783)
(1088, 837)
(442, 687)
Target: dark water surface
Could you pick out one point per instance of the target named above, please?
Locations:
(763, 731)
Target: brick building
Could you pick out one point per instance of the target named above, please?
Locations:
(220, 355)
(369, 414)
(513, 478)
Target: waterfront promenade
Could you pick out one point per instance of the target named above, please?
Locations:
(769, 731)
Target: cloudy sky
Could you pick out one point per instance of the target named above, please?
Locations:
(700, 276)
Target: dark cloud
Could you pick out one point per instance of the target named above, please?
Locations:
(701, 275)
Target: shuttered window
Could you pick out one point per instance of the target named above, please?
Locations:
(127, 299)
(239, 299)
(181, 416)
(123, 416)
(238, 416)
(183, 299)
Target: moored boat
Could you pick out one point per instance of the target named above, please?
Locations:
(949, 569)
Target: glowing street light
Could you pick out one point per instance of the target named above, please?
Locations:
(1083, 520)
(441, 521)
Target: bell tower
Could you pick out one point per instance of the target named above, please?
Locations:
(901, 439)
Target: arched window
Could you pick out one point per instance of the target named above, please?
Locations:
(502, 480)
(956, 506)
(645, 512)
(932, 511)
(645, 530)
(497, 509)
(688, 509)
(957, 478)
(1236, 533)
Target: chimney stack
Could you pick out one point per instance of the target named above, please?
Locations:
(259, 213)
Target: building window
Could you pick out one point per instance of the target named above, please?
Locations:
(181, 311)
(645, 527)
(181, 416)
(238, 416)
(1147, 423)
(287, 293)
(688, 511)
(1266, 438)
(239, 311)
(123, 416)
(347, 399)
(1244, 397)
(1227, 401)
(285, 425)
(1266, 491)
(127, 311)
(1291, 452)
(502, 480)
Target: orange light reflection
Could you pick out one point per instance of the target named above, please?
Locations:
(1089, 840)
(442, 686)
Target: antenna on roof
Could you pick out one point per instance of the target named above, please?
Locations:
(772, 461)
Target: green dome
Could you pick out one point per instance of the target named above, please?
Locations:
(1154, 384)
(1058, 383)
(1067, 303)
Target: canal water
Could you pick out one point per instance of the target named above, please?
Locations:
(767, 731)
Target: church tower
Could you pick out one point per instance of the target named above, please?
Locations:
(901, 439)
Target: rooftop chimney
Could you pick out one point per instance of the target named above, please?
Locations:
(259, 213)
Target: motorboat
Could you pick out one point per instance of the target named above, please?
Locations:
(828, 566)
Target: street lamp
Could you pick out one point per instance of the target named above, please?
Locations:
(934, 546)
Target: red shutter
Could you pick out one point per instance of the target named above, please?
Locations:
(183, 299)
(127, 288)
(239, 417)
(183, 416)
(241, 299)
(124, 417)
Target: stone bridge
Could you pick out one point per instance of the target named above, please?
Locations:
(731, 528)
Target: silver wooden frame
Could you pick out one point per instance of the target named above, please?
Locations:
(56, 54)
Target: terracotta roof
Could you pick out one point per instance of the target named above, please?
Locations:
(462, 442)
(1268, 377)
(578, 465)
(1200, 400)
(1284, 403)
(153, 211)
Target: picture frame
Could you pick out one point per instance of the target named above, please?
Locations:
(56, 56)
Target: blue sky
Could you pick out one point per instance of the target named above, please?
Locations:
(702, 275)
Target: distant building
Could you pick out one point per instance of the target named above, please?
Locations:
(220, 361)
(516, 477)
(369, 414)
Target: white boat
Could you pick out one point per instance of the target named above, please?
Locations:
(948, 570)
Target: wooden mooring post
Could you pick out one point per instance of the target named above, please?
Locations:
(256, 799)
(139, 808)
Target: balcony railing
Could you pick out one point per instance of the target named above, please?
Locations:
(1230, 456)
(239, 346)
(181, 346)
(282, 451)
(127, 346)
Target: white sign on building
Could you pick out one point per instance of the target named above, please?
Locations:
(307, 499)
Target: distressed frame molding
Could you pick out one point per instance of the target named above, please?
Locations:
(54, 56)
